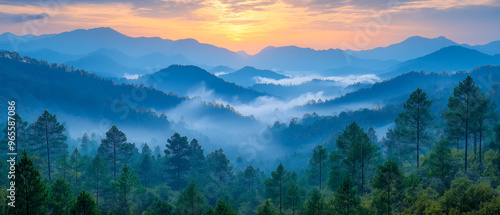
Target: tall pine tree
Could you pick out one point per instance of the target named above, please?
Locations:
(115, 149)
(47, 138)
(31, 193)
(415, 119)
(177, 154)
(461, 106)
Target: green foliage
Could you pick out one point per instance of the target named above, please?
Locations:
(389, 185)
(267, 208)
(358, 150)
(219, 165)
(346, 201)
(125, 185)
(223, 209)
(464, 196)
(315, 205)
(30, 189)
(115, 150)
(293, 200)
(275, 185)
(415, 119)
(318, 163)
(177, 155)
(461, 108)
(440, 162)
(191, 201)
(84, 205)
(60, 197)
(159, 207)
(47, 138)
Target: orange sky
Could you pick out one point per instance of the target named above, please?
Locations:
(253, 25)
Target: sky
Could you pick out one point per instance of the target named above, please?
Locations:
(255, 24)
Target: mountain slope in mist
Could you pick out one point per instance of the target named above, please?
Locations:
(396, 90)
(450, 59)
(248, 76)
(194, 81)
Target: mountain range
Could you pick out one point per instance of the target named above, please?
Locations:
(156, 53)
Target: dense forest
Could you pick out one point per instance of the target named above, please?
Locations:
(445, 163)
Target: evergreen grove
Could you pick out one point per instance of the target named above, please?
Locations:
(426, 164)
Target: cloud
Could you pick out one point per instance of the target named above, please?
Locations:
(20, 18)
(299, 79)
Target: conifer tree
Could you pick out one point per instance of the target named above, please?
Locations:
(461, 106)
(76, 162)
(31, 193)
(177, 154)
(293, 199)
(191, 201)
(220, 165)
(388, 183)
(484, 115)
(222, 208)
(318, 164)
(276, 183)
(315, 205)
(60, 197)
(249, 174)
(440, 161)
(115, 149)
(84, 205)
(98, 172)
(346, 201)
(85, 145)
(266, 208)
(160, 207)
(47, 138)
(415, 119)
(145, 164)
(125, 185)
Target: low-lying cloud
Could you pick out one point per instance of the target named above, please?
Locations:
(300, 79)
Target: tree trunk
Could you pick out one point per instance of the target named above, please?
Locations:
(48, 149)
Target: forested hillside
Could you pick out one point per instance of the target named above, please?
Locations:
(445, 162)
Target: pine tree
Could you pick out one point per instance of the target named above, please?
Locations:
(249, 174)
(177, 154)
(364, 152)
(191, 201)
(76, 161)
(346, 201)
(461, 106)
(222, 208)
(47, 137)
(220, 165)
(115, 149)
(266, 208)
(318, 164)
(372, 134)
(85, 145)
(60, 197)
(293, 199)
(484, 115)
(440, 161)
(145, 164)
(31, 193)
(314, 205)
(97, 171)
(84, 205)
(388, 183)
(125, 185)
(160, 207)
(415, 119)
(275, 184)
(196, 159)
(63, 164)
